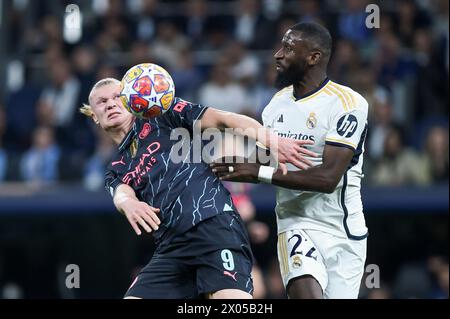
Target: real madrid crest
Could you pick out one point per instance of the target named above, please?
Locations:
(311, 122)
(296, 261)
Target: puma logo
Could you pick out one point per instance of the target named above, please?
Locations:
(118, 162)
(229, 274)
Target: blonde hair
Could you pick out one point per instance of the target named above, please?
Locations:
(86, 109)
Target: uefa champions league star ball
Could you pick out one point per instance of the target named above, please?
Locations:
(147, 90)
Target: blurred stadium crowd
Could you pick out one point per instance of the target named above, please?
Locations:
(220, 53)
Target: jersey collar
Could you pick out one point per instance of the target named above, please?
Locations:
(128, 138)
(321, 86)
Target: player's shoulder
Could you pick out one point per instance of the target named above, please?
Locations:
(287, 91)
(280, 98)
(346, 99)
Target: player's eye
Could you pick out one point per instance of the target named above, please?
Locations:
(287, 48)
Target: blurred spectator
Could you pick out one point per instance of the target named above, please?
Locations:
(147, 21)
(247, 16)
(40, 163)
(345, 61)
(379, 125)
(58, 108)
(272, 9)
(436, 154)
(363, 80)
(399, 165)
(115, 27)
(216, 36)
(45, 34)
(141, 53)
(412, 282)
(20, 127)
(187, 76)
(107, 70)
(440, 28)
(220, 92)
(197, 19)
(94, 170)
(244, 66)
(168, 44)
(430, 89)
(62, 93)
(390, 62)
(264, 90)
(396, 72)
(85, 60)
(409, 19)
(250, 26)
(352, 21)
(310, 11)
(3, 155)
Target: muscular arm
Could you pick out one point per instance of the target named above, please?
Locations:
(286, 150)
(138, 213)
(214, 118)
(323, 178)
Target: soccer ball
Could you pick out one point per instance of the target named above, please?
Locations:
(147, 90)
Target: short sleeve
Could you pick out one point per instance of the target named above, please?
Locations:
(267, 116)
(264, 118)
(184, 113)
(111, 182)
(348, 127)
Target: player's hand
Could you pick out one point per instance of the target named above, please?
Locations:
(140, 214)
(291, 151)
(236, 172)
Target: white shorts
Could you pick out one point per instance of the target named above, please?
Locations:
(336, 263)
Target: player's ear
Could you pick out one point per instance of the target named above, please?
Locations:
(95, 119)
(314, 58)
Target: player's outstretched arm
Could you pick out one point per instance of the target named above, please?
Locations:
(287, 150)
(323, 178)
(138, 213)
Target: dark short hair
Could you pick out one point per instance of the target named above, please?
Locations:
(317, 34)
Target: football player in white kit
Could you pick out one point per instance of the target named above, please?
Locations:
(321, 227)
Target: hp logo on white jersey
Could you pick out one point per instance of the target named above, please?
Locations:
(347, 125)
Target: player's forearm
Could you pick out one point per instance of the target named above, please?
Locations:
(315, 179)
(123, 193)
(247, 126)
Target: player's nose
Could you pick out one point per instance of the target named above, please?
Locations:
(279, 54)
(111, 103)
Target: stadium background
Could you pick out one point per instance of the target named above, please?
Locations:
(53, 209)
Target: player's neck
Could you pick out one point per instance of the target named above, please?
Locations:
(310, 83)
(118, 134)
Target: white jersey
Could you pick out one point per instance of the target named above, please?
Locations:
(334, 115)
